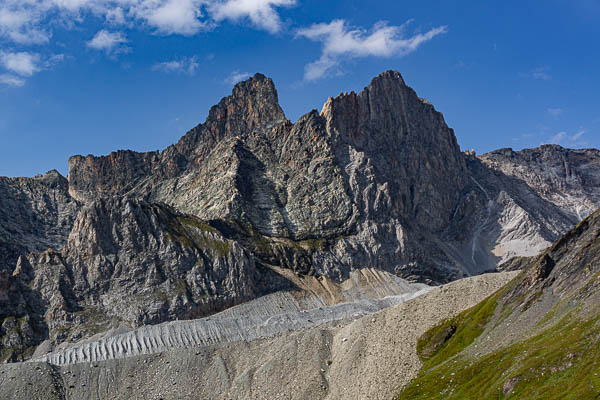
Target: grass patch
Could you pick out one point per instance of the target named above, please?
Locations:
(204, 227)
(93, 319)
(221, 247)
(562, 362)
(193, 233)
(315, 244)
(453, 335)
(181, 287)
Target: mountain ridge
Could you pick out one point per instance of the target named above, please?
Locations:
(376, 180)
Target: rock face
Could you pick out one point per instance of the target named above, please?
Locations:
(371, 176)
(397, 149)
(567, 178)
(134, 263)
(378, 176)
(35, 214)
(533, 197)
(375, 180)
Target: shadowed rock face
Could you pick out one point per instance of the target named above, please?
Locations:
(375, 180)
(252, 105)
(35, 214)
(138, 263)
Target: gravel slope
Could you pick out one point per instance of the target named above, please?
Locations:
(370, 358)
(379, 355)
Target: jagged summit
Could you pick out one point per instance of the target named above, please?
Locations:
(389, 75)
(252, 104)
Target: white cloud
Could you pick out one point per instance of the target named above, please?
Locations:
(19, 22)
(172, 16)
(11, 80)
(112, 43)
(32, 21)
(341, 41)
(54, 60)
(115, 16)
(260, 12)
(542, 73)
(74, 5)
(187, 65)
(237, 76)
(564, 139)
(22, 63)
(555, 112)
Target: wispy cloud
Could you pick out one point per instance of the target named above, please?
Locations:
(11, 80)
(546, 135)
(172, 16)
(18, 66)
(187, 65)
(21, 63)
(32, 21)
(341, 42)
(541, 73)
(555, 112)
(237, 76)
(19, 21)
(261, 13)
(569, 140)
(112, 43)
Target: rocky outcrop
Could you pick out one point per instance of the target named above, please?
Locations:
(134, 263)
(253, 105)
(520, 202)
(568, 178)
(35, 214)
(400, 157)
(377, 177)
(371, 176)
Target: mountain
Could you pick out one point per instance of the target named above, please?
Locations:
(248, 204)
(536, 338)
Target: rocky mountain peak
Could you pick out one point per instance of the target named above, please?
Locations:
(408, 143)
(388, 77)
(253, 104)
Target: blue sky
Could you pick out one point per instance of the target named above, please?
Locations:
(94, 76)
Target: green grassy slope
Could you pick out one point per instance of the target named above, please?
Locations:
(552, 310)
